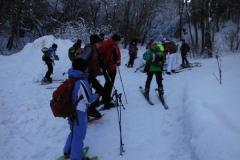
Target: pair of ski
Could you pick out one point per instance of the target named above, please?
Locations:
(85, 151)
(159, 96)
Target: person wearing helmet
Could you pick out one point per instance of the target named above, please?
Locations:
(49, 58)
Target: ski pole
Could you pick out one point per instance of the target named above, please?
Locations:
(122, 84)
(140, 67)
(118, 101)
(125, 57)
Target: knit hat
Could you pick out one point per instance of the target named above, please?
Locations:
(79, 41)
(101, 34)
(94, 38)
(116, 37)
(80, 64)
(54, 45)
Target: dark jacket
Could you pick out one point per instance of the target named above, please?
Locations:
(185, 48)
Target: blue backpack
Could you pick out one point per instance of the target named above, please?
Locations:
(145, 55)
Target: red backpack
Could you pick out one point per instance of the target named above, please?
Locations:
(61, 103)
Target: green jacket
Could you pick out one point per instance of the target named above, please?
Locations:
(149, 58)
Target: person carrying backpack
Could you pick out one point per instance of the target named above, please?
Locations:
(132, 51)
(170, 48)
(184, 49)
(110, 61)
(154, 66)
(78, 124)
(75, 50)
(90, 54)
(49, 57)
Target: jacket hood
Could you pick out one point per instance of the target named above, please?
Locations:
(77, 74)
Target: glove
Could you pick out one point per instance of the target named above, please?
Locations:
(56, 57)
(52, 102)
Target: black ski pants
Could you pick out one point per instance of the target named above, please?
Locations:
(184, 58)
(158, 75)
(109, 82)
(50, 70)
(131, 59)
(98, 89)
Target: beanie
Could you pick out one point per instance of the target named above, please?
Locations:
(94, 38)
(79, 41)
(101, 34)
(80, 64)
(116, 37)
(54, 45)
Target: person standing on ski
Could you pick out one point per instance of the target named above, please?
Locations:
(154, 66)
(132, 51)
(170, 48)
(90, 54)
(49, 60)
(111, 60)
(184, 49)
(78, 124)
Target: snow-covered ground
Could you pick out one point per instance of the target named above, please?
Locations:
(202, 122)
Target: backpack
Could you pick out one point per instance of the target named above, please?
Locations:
(102, 52)
(61, 103)
(158, 60)
(46, 53)
(145, 55)
(173, 47)
(74, 54)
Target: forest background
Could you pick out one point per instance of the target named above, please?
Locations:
(24, 21)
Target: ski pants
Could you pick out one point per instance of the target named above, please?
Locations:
(132, 57)
(184, 58)
(50, 70)
(98, 88)
(108, 85)
(158, 75)
(74, 144)
(171, 62)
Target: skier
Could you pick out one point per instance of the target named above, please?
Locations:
(90, 54)
(49, 58)
(184, 49)
(155, 61)
(132, 51)
(170, 48)
(111, 60)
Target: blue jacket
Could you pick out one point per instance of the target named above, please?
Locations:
(81, 88)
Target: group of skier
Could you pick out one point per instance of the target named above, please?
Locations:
(103, 56)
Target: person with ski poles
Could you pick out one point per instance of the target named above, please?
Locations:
(111, 59)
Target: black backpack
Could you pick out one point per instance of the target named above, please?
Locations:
(46, 53)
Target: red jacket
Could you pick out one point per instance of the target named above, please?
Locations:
(111, 54)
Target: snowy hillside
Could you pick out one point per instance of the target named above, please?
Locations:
(202, 122)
